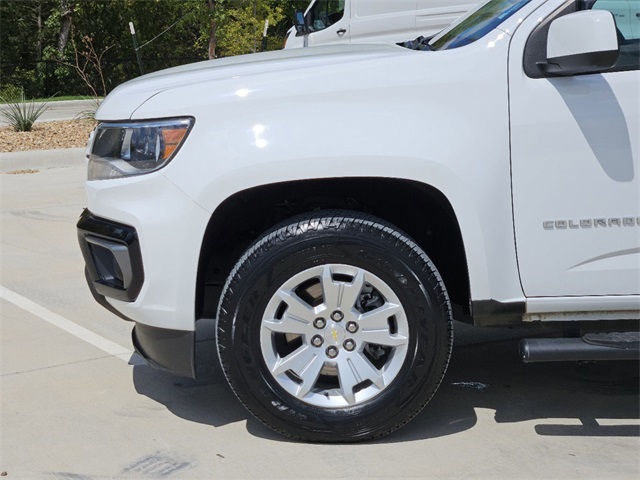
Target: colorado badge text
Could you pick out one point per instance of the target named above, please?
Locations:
(591, 223)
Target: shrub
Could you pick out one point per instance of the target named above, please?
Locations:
(90, 113)
(21, 115)
(10, 93)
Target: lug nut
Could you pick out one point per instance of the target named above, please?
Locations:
(352, 327)
(317, 341)
(332, 352)
(319, 322)
(337, 316)
(349, 345)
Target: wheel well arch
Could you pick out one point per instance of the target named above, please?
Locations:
(420, 210)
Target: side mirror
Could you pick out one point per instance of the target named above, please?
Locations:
(581, 42)
(300, 23)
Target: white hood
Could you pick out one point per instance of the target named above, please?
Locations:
(126, 98)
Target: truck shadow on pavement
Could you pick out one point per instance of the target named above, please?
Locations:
(561, 399)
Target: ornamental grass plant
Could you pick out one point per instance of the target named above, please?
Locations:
(21, 115)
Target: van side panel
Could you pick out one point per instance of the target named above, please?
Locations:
(387, 22)
(435, 15)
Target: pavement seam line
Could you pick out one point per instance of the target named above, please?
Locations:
(59, 365)
(68, 326)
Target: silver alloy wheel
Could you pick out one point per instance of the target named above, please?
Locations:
(348, 357)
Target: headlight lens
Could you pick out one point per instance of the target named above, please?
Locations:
(124, 149)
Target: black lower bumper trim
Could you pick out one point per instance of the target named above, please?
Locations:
(170, 350)
(101, 299)
(112, 257)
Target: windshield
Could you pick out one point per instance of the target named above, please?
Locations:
(477, 24)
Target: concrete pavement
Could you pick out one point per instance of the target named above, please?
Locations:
(39, 159)
(70, 410)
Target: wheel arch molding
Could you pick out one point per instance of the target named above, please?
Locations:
(419, 209)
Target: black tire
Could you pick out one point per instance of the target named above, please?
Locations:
(391, 267)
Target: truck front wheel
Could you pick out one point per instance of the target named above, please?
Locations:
(334, 328)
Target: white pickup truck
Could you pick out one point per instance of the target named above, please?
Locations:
(335, 208)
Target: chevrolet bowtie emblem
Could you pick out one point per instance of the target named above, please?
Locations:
(334, 334)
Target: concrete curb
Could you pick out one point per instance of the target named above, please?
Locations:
(40, 159)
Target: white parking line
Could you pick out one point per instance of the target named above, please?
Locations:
(67, 325)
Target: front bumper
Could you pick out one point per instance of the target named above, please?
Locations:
(114, 269)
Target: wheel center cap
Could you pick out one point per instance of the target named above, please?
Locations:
(334, 334)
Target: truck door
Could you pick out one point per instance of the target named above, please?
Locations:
(574, 157)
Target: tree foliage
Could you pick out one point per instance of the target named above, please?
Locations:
(41, 41)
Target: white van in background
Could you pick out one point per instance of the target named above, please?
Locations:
(372, 21)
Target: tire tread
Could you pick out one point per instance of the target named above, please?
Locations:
(338, 221)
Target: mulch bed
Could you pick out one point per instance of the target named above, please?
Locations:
(47, 136)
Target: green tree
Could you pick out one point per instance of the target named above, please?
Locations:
(23, 37)
(39, 39)
(242, 32)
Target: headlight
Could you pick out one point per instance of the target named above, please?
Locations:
(131, 148)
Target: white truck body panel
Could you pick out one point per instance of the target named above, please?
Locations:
(231, 158)
(409, 118)
(575, 150)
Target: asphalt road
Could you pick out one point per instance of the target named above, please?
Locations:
(78, 405)
(61, 110)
